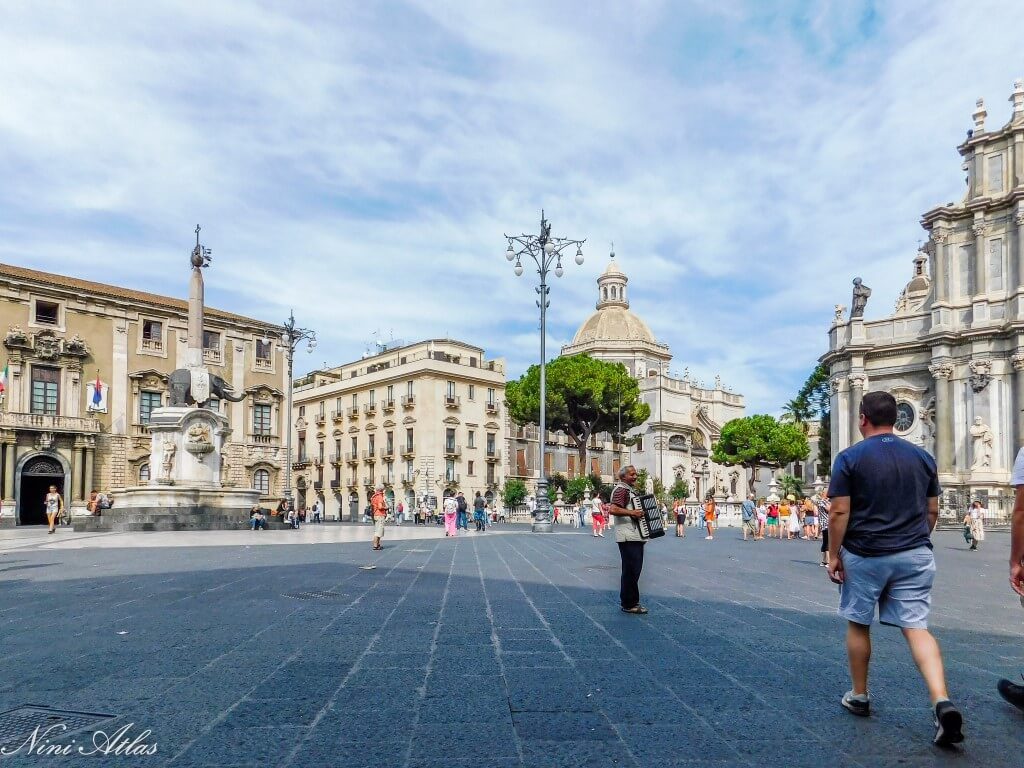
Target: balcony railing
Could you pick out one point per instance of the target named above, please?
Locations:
(320, 419)
(262, 438)
(338, 415)
(335, 458)
(264, 364)
(451, 479)
(370, 409)
(353, 413)
(45, 423)
(213, 355)
(335, 484)
(452, 450)
(353, 482)
(140, 430)
(152, 345)
(408, 401)
(387, 452)
(368, 480)
(352, 457)
(491, 407)
(300, 462)
(387, 405)
(369, 455)
(494, 455)
(452, 402)
(408, 451)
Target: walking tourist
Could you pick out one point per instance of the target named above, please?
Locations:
(885, 504)
(423, 513)
(974, 522)
(762, 519)
(772, 520)
(478, 512)
(462, 514)
(810, 519)
(748, 512)
(597, 515)
(54, 507)
(709, 517)
(316, 511)
(379, 505)
(680, 513)
(823, 505)
(793, 522)
(1014, 692)
(400, 513)
(451, 513)
(624, 505)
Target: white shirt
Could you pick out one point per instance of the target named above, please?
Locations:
(1017, 475)
(451, 506)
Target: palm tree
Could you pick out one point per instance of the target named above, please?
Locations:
(791, 486)
(799, 411)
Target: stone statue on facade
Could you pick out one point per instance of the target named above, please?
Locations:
(839, 311)
(981, 437)
(927, 415)
(167, 465)
(861, 293)
(649, 485)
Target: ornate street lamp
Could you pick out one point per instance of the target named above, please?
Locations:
(291, 337)
(546, 251)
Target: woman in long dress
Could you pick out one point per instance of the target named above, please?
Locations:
(709, 517)
(54, 506)
(976, 522)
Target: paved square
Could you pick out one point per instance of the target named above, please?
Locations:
(500, 649)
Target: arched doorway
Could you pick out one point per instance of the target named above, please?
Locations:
(353, 507)
(37, 474)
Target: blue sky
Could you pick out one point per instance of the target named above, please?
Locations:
(360, 161)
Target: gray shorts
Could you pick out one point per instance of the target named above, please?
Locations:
(900, 585)
(378, 527)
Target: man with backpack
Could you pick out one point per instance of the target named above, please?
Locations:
(462, 513)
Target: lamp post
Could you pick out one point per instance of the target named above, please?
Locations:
(291, 337)
(545, 251)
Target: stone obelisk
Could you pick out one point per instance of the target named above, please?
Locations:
(194, 350)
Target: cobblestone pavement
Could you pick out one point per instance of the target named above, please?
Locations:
(490, 651)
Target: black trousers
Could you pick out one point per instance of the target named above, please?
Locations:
(632, 553)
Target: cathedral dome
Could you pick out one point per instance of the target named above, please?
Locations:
(613, 321)
(613, 324)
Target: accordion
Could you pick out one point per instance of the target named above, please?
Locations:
(650, 523)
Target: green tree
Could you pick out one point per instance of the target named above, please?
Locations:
(815, 402)
(680, 489)
(791, 485)
(556, 482)
(760, 441)
(575, 489)
(514, 492)
(584, 396)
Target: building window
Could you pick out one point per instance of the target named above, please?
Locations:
(373, 397)
(408, 389)
(143, 474)
(211, 341)
(152, 336)
(449, 440)
(449, 470)
(471, 439)
(213, 405)
(47, 313)
(469, 467)
(261, 420)
(389, 443)
(372, 445)
(389, 472)
(450, 389)
(490, 443)
(355, 446)
(409, 471)
(264, 350)
(471, 391)
(408, 440)
(638, 446)
(261, 481)
(391, 392)
(490, 395)
(904, 417)
(45, 390)
(321, 451)
(147, 402)
(302, 449)
(302, 411)
(355, 400)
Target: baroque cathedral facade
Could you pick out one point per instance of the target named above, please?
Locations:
(952, 353)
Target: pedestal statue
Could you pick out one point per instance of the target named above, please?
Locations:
(981, 437)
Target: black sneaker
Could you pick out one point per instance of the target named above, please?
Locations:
(948, 724)
(1012, 692)
(859, 704)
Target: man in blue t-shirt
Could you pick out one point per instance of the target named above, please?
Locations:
(884, 493)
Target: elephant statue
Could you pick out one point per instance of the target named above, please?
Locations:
(179, 382)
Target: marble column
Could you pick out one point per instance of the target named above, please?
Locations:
(857, 384)
(76, 474)
(940, 253)
(87, 479)
(1018, 219)
(980, 257)
(942, 371)
(1018, 402)
(10, 459)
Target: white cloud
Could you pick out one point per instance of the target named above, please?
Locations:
(360, 162)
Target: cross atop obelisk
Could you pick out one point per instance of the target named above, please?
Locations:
(200, 258)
